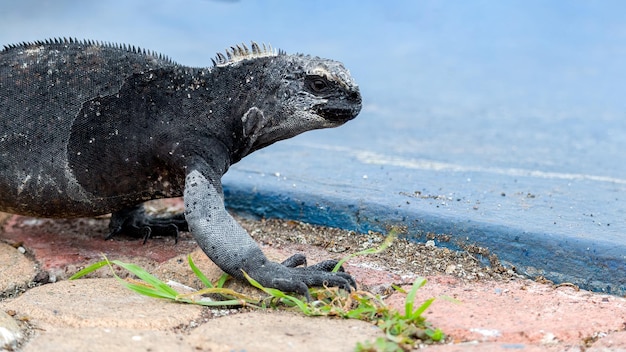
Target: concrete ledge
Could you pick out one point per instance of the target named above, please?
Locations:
(524, 231)
(592, 265)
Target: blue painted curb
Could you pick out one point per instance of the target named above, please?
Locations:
(591, 265)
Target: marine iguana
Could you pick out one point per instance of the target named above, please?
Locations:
(89, 128)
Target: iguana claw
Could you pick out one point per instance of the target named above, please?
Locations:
(289, 278)
(136, 223)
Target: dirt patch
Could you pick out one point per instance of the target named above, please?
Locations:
(404, 257)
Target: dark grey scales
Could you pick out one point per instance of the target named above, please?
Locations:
(88, 128)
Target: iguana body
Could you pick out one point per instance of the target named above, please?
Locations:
(89, 128)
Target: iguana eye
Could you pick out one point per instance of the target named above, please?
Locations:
(318, 85)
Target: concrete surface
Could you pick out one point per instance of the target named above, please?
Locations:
(501, 125)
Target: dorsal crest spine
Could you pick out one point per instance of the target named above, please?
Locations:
(242, 52)
(89, 42)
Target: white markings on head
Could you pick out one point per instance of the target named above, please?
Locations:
(342, 77)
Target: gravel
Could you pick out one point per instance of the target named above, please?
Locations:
(404, 257)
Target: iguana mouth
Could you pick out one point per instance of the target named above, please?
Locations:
(338, 114)
(340, 111)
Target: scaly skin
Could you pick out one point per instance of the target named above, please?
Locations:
(89, 128)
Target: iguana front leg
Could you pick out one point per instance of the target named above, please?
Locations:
(234, 251)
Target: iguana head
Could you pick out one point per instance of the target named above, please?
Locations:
(285, 95)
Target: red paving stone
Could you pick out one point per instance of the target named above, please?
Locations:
(520, 311)
(75, 242)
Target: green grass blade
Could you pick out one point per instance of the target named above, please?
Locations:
(222, 280)
(147, 290)
(422, 308)
(93, 267)
(391, 236)
(410, 298)
(147, 277)
(436, 335)
(228, 303)
(198, 273)
(398, 288)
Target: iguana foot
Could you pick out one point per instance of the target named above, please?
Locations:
(300, 260)
(135, 222)
(289, 277)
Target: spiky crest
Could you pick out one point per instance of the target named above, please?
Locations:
(241, 52)
(88, 42)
